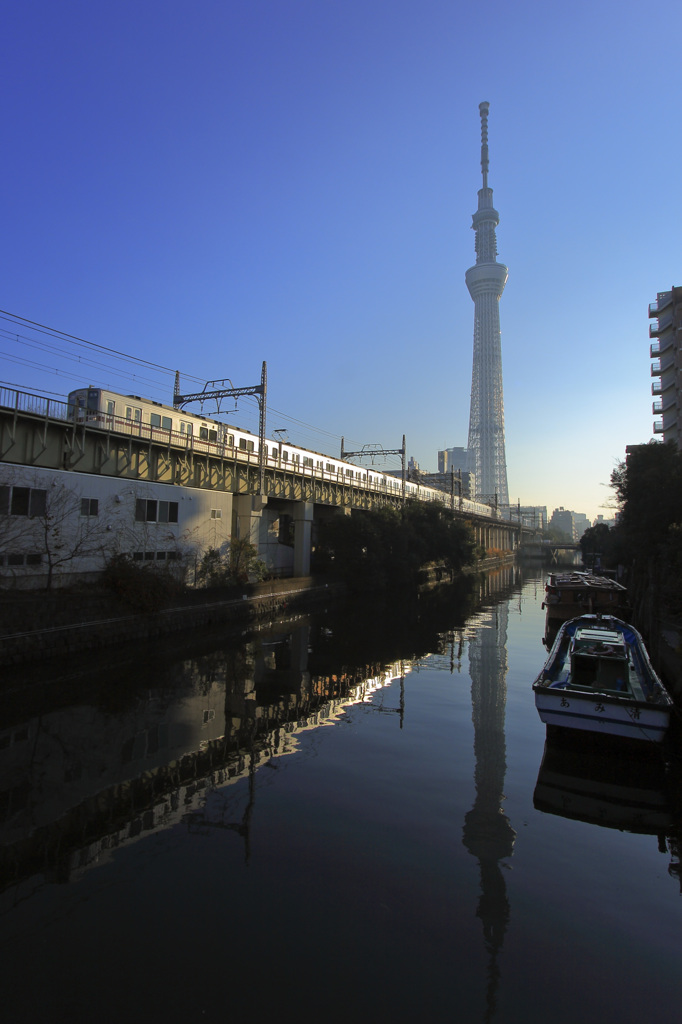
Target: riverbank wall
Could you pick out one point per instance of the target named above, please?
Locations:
(84, 622)
(257, 602)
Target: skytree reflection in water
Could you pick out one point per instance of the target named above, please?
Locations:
(487, 833)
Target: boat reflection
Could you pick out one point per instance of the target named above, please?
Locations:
(615, 790)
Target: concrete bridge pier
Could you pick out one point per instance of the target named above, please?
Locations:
(303, 534)
(247, 512)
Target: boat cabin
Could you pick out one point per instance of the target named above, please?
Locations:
(599, 661)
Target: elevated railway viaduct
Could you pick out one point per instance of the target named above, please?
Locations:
(154, 492)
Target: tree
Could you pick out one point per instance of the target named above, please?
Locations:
(648, 489)
(387, 547)
(238, 564)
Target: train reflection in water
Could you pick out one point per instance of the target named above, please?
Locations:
(81, 781)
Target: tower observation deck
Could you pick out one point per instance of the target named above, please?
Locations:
(486, 281)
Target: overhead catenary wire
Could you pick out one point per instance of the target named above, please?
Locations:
(307, 434)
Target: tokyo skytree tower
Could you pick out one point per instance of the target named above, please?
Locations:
(486, 281)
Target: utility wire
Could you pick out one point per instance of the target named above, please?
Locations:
(315, 437)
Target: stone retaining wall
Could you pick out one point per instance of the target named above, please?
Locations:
(261, 602)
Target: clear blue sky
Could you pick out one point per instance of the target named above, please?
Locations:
(208, 185)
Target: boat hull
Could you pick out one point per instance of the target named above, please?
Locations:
(569, 709)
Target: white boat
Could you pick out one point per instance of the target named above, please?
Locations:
(598, 678)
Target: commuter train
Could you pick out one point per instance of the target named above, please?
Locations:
(130, 414)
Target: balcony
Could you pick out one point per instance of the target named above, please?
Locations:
(656, 368)
(656, 388)
(658, 426)
(664, 299)
(663, 323)
(657, 407)
(655, 349)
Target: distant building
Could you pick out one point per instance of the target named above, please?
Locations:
(456, 458)
(580, 524)
(601, 521)
(666, 364)
(562, 520)
(532, 516)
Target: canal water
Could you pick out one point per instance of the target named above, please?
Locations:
(352, 816)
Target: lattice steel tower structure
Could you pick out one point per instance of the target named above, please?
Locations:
(486, 281)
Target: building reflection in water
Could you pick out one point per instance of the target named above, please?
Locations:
(82, 781)
(488, 834)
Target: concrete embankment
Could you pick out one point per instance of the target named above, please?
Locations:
(257, 603)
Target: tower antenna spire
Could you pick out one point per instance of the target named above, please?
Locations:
(483, 109)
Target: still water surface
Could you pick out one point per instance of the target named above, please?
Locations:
(333, 820)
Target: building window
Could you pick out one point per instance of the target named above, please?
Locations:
(147, 511)
(23, 501)
(216, 513)
(89, 506)
(15, 559)
(168, 511)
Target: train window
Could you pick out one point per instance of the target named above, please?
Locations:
(166, 423)
(155, 419)
(295, 457)
(230, 440)
(285, 456)
(185, 428)
(274, 453)
(133, 414)
(93, 400)
(307, 461)
(203, 433)
(213, 435)
(329, 467)
(111, 408)
(245, 445)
